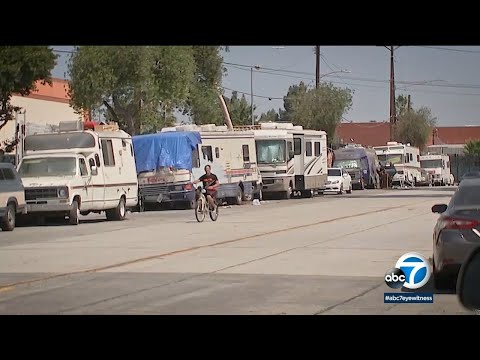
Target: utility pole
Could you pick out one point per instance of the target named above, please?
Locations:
(393, 117)
(251, 95)
(408, 103)
(317, 72)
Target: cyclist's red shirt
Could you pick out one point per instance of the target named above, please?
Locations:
(209, 180)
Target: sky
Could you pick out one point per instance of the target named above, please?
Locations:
(444, 78)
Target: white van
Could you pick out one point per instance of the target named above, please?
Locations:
(77, 171)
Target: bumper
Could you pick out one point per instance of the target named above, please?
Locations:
(275, 184)
(332, 188)
(171, 197)
(50, 207)
(452, 250)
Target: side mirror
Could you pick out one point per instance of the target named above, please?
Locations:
(467, 284)
(345, 174)
(94, 170)
(439, 208)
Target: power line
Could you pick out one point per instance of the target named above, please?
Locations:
(259, 96)
(450, 49)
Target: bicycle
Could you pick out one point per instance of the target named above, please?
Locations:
(202, 206)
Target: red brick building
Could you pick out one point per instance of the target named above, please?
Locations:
(378, 133)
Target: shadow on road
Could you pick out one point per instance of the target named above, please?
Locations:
(397, 196)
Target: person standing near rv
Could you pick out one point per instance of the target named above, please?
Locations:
(210, 184)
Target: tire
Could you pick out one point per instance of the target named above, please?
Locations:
(199, 213)
(349, 191)
(341, 190)
(214, 214)
(119, 213)
(259, 195)
(239, 198)
(74, 216)
(443, 281)
(288, 194)
(8, 221)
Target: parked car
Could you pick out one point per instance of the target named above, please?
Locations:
(471, 175)
(339, 180)
(456, 232)
(12, 196)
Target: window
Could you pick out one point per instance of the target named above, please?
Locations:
(131, 149)
(108, 155)
(418, 158)
(407, 159)
(217, 152)
(7, 174)
(246, 153)
(297, 146)
(195, 158)
(411, 157)
(97, 160)
(308, 148)
(207, 153)
(289, 146)
(317, 148)
(83, 167)
(124, 144)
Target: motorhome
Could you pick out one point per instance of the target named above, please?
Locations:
(292, 160)
(76, 171)
(439, 167)
(231, 155)
(406, 160)
(164, 163)
(361, 163)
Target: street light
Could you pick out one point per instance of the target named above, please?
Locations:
(256, 67)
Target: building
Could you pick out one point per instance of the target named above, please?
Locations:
(378, 133)
(46, 106)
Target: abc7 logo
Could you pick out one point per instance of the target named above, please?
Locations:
(412, 271)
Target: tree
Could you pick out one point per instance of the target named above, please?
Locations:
(203, 104)
(415, 127)
(240, 110)
(402, 105)
(472, 148)
(140, 87)
(20, 68)
(317, 109)
(270, 115)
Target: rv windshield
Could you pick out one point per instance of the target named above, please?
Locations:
(347, 164)
(271, 151)
(390, 158)
(428, 164)
(48, 166)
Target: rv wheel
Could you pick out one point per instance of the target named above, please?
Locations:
(74, 216)
(119, 212)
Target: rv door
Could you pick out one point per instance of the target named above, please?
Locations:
(299, 161)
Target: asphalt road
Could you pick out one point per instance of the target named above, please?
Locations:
(326, 255)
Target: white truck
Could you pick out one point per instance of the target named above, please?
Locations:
(439, 167)
(292, 160)
(405, 158)
(76, 171)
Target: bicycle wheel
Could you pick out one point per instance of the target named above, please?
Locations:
(200, 209)
(214, 214)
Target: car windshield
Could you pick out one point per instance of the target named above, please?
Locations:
(428, 164)
(347, 164)
(390, 158)
(334, 172)
(48, 166)
(466, 196)
(271, 151)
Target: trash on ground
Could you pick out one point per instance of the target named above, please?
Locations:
(256, 202)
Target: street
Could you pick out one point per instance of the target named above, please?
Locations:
(326, 255)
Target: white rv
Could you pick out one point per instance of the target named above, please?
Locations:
(291, 160)
(77, 171)
(232, 157)
(439, 167)
(406, 160)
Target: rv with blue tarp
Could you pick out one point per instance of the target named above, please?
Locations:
(164, 164)
(361, 163)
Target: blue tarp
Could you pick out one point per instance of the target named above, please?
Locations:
(167, 149)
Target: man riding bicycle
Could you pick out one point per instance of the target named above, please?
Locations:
(210, 184)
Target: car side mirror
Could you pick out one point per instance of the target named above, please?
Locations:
(94, 170)
(439, 208)
(468, 278)
(345, 174)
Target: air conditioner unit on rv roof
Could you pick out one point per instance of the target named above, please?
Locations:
(392, 143)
